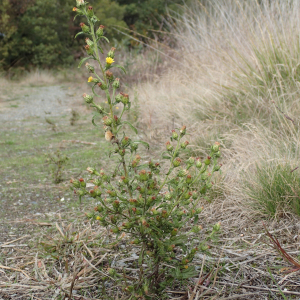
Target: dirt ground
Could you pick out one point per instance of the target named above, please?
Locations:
(33, 209)
(27, 193)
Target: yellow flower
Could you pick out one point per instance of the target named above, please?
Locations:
(74, 8)
(90, 79)
(97, 218)
(109, 60)
(117, 107)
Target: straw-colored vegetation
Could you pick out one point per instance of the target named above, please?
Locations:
(233, 78)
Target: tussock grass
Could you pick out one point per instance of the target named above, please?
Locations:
(236, 81)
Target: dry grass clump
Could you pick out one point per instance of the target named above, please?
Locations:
(236, 81)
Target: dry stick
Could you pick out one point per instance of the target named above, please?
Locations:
(198, 281)
(7, 243)
(13, 269)
(97, 269)
(294, 169)
(260, 288)
(239, 296)
(286, 116)
(72, 283)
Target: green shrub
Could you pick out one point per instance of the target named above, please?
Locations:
(274, 189)
(157, 206)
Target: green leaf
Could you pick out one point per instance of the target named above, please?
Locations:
(103, 37)
(83, 60)
(196, 219)
(101, 50)
(81, 32)
(94, 91)
(93, 121)
(120, 67)
(166, 155)
(142, 142)
(131, 126)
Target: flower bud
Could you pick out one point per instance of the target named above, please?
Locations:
(89, 49)
(125, 179)
(84, 28)
(112, 272)
(88, 99)
(89, 42)
(209, 185)
(216, 147)
(111, 193)
(111, 52)
(133, 147)
(218, 154)
(133, 201)
(199, 210)
(99, 208)
(116, 204)
(82, 183)
(90, 11)
(89, 215)
(203, 190)
(217, 226)
(80, 3)
(90, 67)
(107, 121)
(125, 141)
(182, 173)
(102, 86)
(93, 193)
(188, 195)
(118, 98)
(122, 152)
(113, 219)
(198, 163)
(169, 146)
(182, 131)
(174, 135)
(184, 145)
(116, 84)
(129, 289)
(143, 176)
(75, 183)
(109, 75)
(127, 225)
(195, 195)
(196, 228)
(188, 179)
(99, 31)
(208, 160)
(174, 232)
(168, 196)
(217, 168)
(191, 161)
(117, 120)
(176, 162)
(124, 98)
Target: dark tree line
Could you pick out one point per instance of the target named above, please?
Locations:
(41, 32)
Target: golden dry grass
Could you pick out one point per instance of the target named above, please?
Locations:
(236, 81)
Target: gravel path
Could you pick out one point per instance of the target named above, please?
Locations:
(40, 101)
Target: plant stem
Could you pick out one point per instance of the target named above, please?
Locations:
(174, 155)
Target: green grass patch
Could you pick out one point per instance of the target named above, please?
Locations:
(274, 189)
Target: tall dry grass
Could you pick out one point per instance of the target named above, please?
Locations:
(236, 81)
